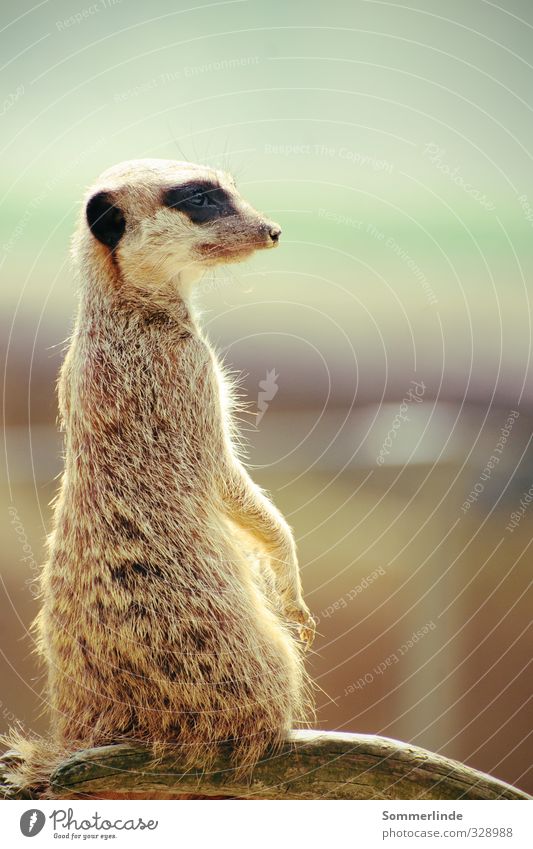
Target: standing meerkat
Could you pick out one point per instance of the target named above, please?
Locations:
(155, 625)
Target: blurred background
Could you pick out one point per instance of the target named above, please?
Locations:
(384, 349)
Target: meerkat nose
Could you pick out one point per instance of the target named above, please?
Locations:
(275, 233)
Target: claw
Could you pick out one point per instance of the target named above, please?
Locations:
(307, 634)
(303, 618)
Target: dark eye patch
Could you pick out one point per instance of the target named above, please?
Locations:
(200, 201)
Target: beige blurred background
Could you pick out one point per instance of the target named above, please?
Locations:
(386, 345)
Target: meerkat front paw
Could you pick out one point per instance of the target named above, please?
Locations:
(301, 614)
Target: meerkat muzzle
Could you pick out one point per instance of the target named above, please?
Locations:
(235, 243)
(274, 234)
(271, 232)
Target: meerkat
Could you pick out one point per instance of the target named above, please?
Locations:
(156, 624)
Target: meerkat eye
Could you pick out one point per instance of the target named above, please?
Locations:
(201, 200)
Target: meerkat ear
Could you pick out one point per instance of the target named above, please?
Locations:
(106, 221)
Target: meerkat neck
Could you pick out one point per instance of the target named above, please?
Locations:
(104, 307)
(186, 279)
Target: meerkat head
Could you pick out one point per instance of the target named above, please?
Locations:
(157, 225)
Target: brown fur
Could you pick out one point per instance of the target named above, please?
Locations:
(155, 623)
